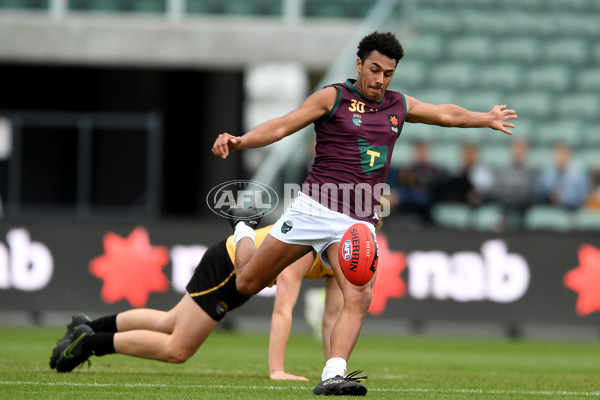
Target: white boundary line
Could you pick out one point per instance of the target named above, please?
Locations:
(407, 390)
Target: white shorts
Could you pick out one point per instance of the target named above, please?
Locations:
(307, 222)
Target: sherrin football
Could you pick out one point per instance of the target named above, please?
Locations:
(358, 254)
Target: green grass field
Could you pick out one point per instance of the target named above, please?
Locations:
(234, 366)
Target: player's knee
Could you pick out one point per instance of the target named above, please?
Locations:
(178, 354)
(247, 286)
(359, 298)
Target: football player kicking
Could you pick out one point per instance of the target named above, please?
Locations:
(174, 336)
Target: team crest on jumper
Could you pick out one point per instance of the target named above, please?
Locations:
(287, 226)
(372, 158)
(357, 119)
(394, 121)
(221, 307)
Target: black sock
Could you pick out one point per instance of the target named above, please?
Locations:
(104, 324)
(99, 344)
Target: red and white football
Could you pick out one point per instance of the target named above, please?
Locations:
(358, 254)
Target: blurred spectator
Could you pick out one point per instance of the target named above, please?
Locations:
(592, 201)
(414, 186)
(563, 184)
(473, 183)
(514, 185)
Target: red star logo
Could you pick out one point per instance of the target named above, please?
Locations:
(585, 279)
(131, 268)
(394, 120)
(388, 283)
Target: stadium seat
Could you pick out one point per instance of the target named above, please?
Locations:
(563, 130)
(435, 96)
(532, 104)
(570, 5)
(495, 156)
(523, 49)
(534, 24)
(480, 100)
(474, 48)
(588, 80)
(149, 6)
(410, 74)
(540, 156)
(485, 23)
(499, 76)
(437, 21)
(452, 215)
(24, 4)
(487, 217)
(573, 51)
(201, 7)
(412, 132)
(454, 75)
(542, 217)
(446, 155)
(426, 47)
(555, 78)
(577, 24)
(587, 220)
(403, 153)
(589, 158)
(579, 105)
(590, 135)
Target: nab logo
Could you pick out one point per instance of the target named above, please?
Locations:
(347, 250)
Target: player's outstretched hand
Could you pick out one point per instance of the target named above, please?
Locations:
(225, 144)
(500, 117)
(284, 376)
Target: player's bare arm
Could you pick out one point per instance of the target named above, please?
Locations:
(314, 107)
(451, 115)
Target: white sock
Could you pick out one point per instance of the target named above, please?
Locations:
(241, 231)
(334, 367)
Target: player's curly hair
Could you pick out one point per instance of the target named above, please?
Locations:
(384, 42)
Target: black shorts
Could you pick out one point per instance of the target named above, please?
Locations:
(213, 285)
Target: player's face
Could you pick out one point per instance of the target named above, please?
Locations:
(374, 75)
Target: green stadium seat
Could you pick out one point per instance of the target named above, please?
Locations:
(202, 7)
(483, 22)
(525, 128)
(403, 153)
(576, 24)
(529, 24)
(595, 54)
(555, 78)
(499, 77)
(562, 130)
(425, 47)
(529, 5)
(588, 158)
(579, 105)
(590, 135)
(587, 220)
(97, 5)
(495, 156)
(571, 5)
(446, 155)
(522, 49)
(435, 96)
(24, 4)
(542, 217)
(573, 51)
(482, 100)
(532, 104)
(487, 217)
(540, 156)
(475, 48)
(452, 215)
(148, 6)
(240, 7)
(588, 80)
(410, 74)
(413, 132)
(456, 75)
(437, 21)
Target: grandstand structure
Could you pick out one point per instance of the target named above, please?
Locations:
(540, 57)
